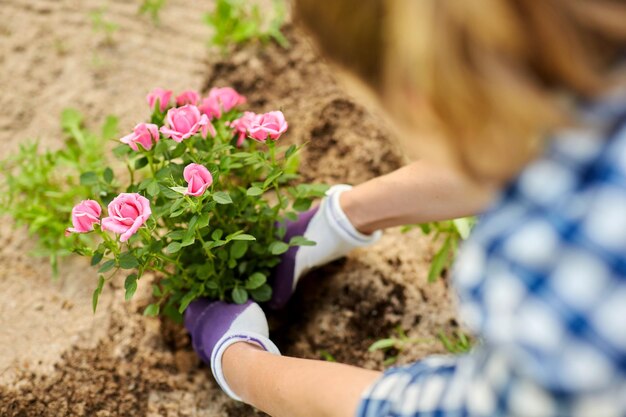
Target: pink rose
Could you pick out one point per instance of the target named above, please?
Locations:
(127, 212)
(160, 95)
(198, 179)
(145, 134)
(221, 99)
(270, 124)
(84, 215)
(187, 97)
(241, 126)
(184, 122)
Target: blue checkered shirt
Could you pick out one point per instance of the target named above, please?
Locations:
(542, 283)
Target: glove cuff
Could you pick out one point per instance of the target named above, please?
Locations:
(228, 339)
(340, 222)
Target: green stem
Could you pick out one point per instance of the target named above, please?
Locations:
(151, 163)
(131, 171)
(191, 149)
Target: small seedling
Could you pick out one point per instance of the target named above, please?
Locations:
(398, 342)
(152, 8)
(457, 343)
(41, 187)
(452, 232)
(101, 25)
(237, 21)
(327, 356)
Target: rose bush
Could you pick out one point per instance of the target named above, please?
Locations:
(206, 196)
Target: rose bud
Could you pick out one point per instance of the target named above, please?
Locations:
(198, 179)
(184, 122)
(145, 134)
(127, 213)
(84, 215)
(161, 96)
(187, 97)
(270, 124)
(241, 126)
(221, 99)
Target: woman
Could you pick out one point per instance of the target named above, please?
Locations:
(519, 99)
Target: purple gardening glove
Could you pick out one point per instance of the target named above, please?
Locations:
(334, 234)
(215, 325)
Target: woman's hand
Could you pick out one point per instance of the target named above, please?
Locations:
(328, 226)
(215, 325)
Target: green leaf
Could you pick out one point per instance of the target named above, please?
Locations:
(153, 188)
(203, 221)
(272, 177)
(179, 190)
(291, 215)
(121, 150)
(238, 249)
(222, 197)
(301, 241)
(189, 240)
(217, 234)
(128, 261)
(302, 204)
(171, 312)
(254, 191)
(107, 266)
(173, 247)
(239, 295)
(71, 118)
(167, 193)
(107, 175)
(96, 293)
(463, 226)
(382, 344)
(130, 285)
(262, 294)
(156, 291)
(188, 298)
(255, 281)
(440, 260)
(292, 149)
(179, 150)
(88, 178)
(176, 234)
(178, 212)
(164, 172)
(151, 310)
(109, 128)
(141, 162)
(243, 236)
(278, 247)
(97, 257)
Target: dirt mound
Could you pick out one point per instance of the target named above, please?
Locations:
(143, 366)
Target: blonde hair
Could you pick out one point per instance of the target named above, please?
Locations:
(490, 78)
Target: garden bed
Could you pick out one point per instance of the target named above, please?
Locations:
(121, 363)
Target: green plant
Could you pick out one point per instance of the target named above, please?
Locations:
(101, 25)
(202, 211)
(40, 188)
(450, 233)
(327, 356)
(457, 343)
(152, 8)
(396, 343)
(239, 21)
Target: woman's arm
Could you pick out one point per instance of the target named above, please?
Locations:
(417, 193)
(291, 387)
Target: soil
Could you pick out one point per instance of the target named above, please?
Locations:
(56, 357)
